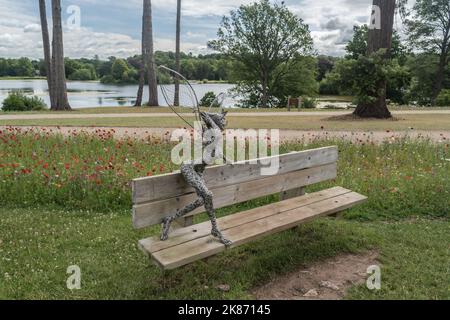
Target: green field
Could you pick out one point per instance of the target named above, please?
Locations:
(38, 245)
(66, 201)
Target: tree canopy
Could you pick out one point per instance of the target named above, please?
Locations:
(265, 40)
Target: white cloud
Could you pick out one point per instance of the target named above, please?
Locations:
(33, 27)
(331, 24)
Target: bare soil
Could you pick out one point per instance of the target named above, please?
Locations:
(325, 280)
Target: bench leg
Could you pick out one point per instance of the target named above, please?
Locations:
(337, 215)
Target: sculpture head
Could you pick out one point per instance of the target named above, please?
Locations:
(219, 119)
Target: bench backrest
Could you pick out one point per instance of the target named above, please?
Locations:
(155, 198)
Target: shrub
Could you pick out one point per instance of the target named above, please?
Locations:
(309, 103)
(209, 100)
(82, 75)
(17, 101)
(443, 100)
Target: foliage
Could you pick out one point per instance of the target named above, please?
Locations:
(423, 73)
(82, 75)
(80, 69)
(17, 101)
(358, 45)
(309, 103)
(330, 84)
(264, 40)
(299, 80)
(325, 65)
(81, 171)
(443, 99)
(360, 77)
(212, 67)
(22, 67)
(209, 100)
(427, 23)
(93, 171)
(428, 27)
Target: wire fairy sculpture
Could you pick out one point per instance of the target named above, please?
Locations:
(213, 125)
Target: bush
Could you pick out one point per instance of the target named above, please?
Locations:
(443, 100)
(17, 101)
(209, 100)
(309, 103)
(82, 75)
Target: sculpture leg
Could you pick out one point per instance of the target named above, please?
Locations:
(180, 213)
(194, 179)
(209, 206)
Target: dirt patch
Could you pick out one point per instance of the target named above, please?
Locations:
(326, 280)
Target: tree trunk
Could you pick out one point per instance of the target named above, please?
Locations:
(440, 75)
(177, 55)
(58, 69)
(379, 39)
(47, 52)
(151, 70)
(142, 66)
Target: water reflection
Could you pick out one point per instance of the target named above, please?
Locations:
(94, 94)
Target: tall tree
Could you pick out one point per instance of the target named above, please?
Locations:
(143, 63)
(151, 68)
(429, 30)
(177, 55)
(380, 38)
(263, 38)
(58, 68)
(47, 51)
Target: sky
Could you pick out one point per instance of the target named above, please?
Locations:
(113, 27)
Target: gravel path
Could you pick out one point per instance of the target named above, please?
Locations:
(156, 115)
(285, 135)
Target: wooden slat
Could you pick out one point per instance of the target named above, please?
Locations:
(207, 246)
(153, 213)
(179, 236)
(172, 185)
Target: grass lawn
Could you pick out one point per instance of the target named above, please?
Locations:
(37, 246)
(404, 122)
(128, 109)
(66, 201)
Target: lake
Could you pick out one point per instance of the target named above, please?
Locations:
(91, 94)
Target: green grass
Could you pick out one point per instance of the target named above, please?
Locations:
(139, 110)
(404, 122)
(39, 245)
(22, 78)
(70, 218)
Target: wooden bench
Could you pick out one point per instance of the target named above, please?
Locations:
(157, 197)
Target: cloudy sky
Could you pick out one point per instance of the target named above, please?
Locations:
(112, 27)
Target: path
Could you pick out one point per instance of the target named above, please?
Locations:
(235, 114)
(285, 135)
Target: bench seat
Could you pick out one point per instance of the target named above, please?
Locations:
(193, 243)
